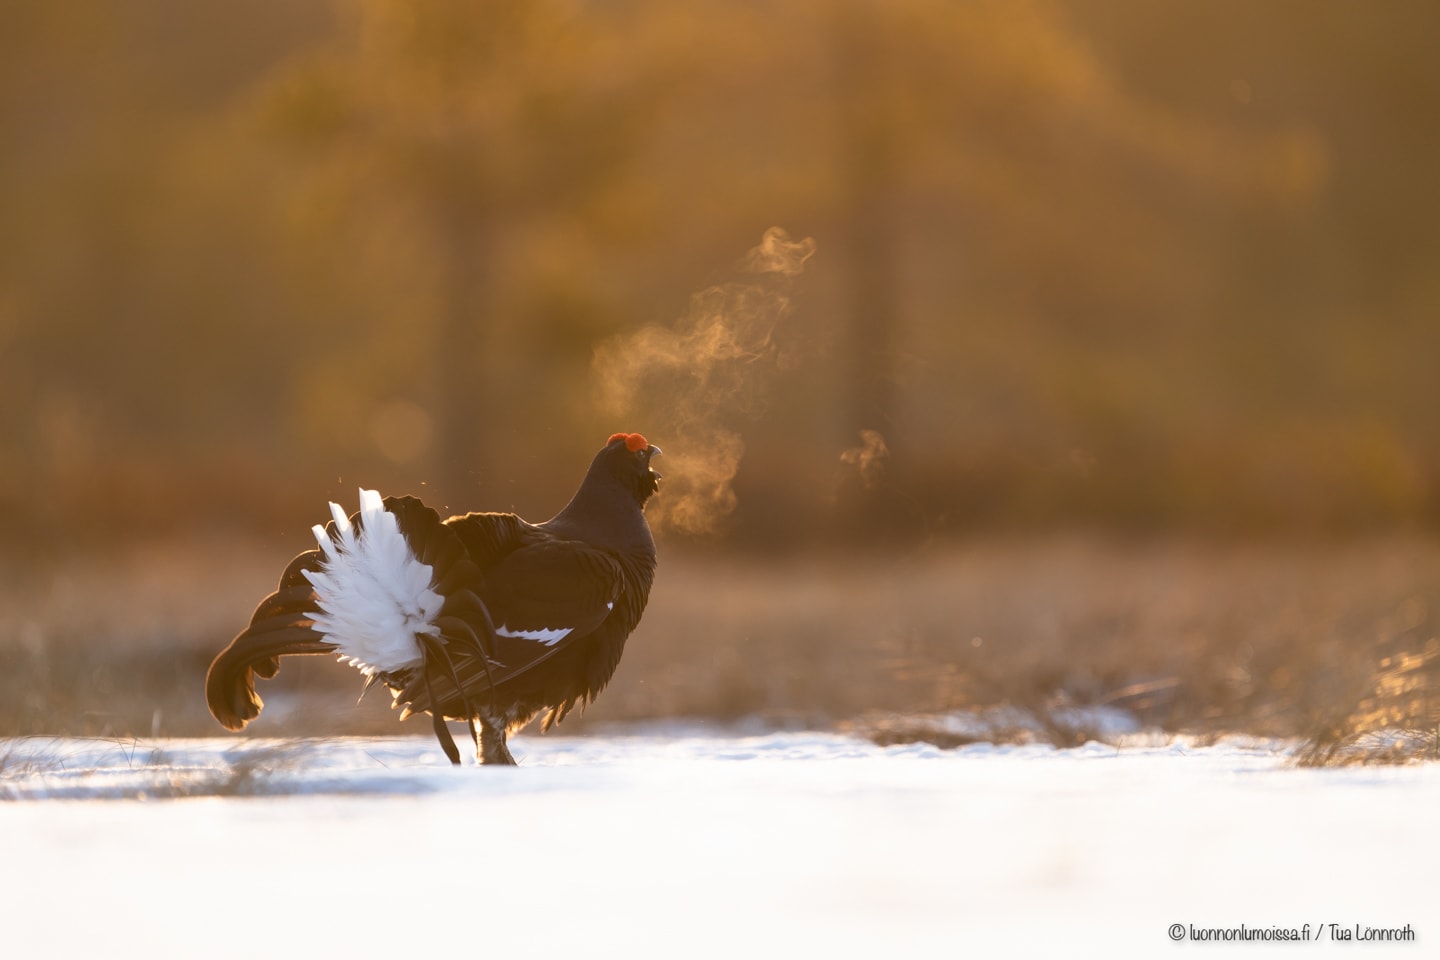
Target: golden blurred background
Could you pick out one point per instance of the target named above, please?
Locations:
(1097, 265)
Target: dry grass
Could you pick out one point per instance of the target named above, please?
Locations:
(1397, 719)
(18, 760)
(147, 770)
(1319, 641)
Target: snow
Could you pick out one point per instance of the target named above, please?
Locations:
(682, 842)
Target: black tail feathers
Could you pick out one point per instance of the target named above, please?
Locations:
(280, 626)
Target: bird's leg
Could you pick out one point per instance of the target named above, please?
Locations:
(492, 743)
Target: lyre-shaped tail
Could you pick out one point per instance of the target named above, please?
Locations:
(395, 597)
(280, 626)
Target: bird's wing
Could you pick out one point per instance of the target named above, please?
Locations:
(538, 600)
(548, 594)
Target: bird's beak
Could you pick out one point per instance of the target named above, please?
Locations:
(655, 452)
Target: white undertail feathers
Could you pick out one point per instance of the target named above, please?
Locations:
(374, 595)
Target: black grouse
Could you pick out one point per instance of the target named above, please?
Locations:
(483, 617)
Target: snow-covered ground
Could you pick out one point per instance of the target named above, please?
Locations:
(682, 843)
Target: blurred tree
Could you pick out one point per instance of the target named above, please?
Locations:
(1078, 262)
(108, 302)
(489, 125)
(872, 134)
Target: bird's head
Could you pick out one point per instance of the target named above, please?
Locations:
(629, 456)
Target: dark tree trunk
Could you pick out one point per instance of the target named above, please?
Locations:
(468, 394)
(870, 246)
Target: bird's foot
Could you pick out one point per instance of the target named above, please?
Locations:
(492, 744)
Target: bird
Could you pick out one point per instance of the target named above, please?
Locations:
(482, 618)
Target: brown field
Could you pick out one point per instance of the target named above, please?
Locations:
(1323, 640)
